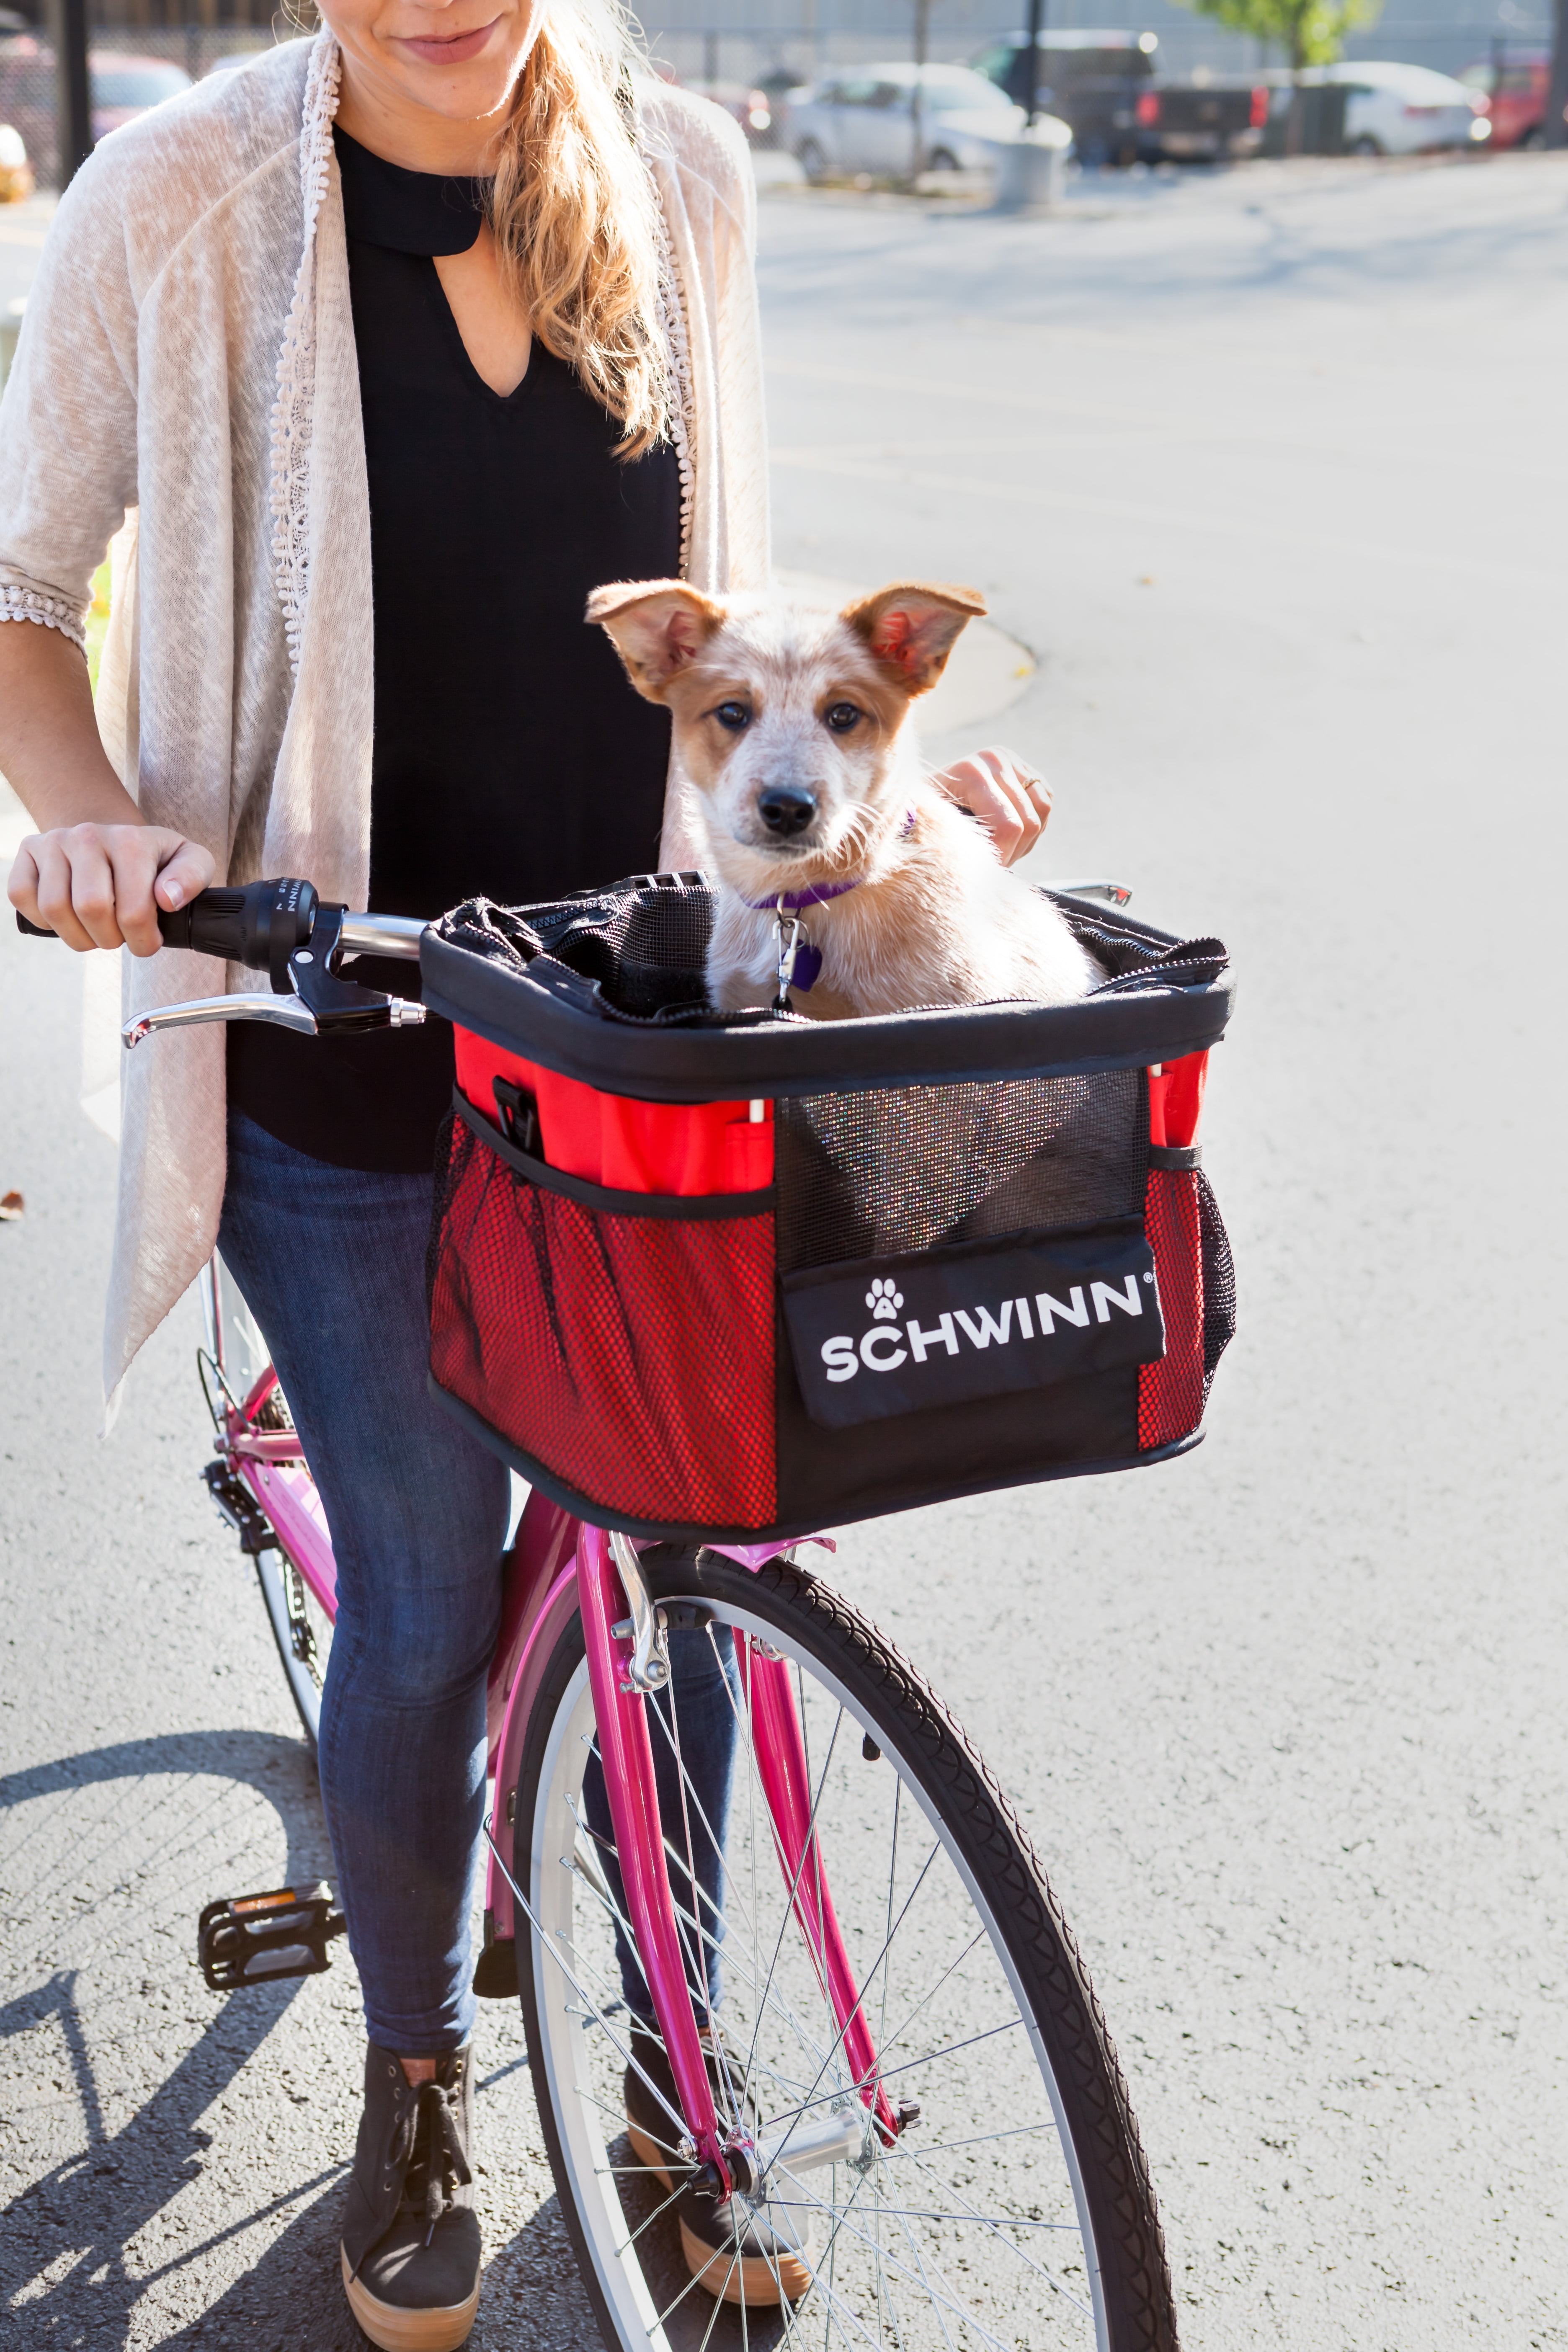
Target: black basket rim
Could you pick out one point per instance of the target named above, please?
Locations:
(1120, 1029)
(601, 1515)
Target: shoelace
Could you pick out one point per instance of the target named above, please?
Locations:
(430, 2113)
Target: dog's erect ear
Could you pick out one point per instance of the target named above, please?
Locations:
(656, 627)
(914, 626)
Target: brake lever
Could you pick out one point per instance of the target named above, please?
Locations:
(320, 1004)
(338, 1005)
(281, 1011)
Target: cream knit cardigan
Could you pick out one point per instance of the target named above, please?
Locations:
(187, 369)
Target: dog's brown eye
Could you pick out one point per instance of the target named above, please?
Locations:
(841, 716)
(733, 715)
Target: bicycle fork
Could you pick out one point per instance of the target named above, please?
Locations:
(625, 1664)
(779, 1747)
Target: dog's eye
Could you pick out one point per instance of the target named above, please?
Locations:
(733, 715)
(841, 716)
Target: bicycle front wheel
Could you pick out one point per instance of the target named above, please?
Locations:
(1016, 2215)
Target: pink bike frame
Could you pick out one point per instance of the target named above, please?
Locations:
(557, 1565)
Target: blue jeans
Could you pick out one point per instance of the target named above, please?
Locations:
(331, 1261)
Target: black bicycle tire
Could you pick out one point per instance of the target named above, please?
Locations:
(1139, 2302)
(285, 1658)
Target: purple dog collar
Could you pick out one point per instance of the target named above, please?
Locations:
(790, 902)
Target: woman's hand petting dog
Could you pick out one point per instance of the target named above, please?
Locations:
(1001, 792)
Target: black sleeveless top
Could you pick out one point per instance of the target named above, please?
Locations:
(511, 756)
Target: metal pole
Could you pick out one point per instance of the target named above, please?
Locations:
(917, 96)
(73, 94)
(1554, 130)
(1036, 26)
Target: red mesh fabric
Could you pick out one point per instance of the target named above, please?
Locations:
(1171, 1393)
(633, 1357)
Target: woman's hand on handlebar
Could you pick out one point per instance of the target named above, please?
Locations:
(101, 886)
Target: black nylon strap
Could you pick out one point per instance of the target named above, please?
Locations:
(1175, 1155)
(682, 1207)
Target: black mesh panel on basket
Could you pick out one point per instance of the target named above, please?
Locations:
(627, 954)
(1219, 1280)
(881, 1175)
(631, 1357)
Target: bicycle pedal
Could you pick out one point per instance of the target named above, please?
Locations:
(263, 1939)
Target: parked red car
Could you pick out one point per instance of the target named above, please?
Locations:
(1512, 88)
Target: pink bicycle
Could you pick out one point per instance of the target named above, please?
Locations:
(921, 2099)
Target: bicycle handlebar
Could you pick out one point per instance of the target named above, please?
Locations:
(281, 928)
(264, 923)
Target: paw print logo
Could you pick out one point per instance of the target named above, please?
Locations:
(884, 1301)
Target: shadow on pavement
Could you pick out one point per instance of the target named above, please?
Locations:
(105, 1859)
(63, 2238)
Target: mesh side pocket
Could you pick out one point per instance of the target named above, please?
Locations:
(1219, 1280)
(1170, 1393)
(632, 1357)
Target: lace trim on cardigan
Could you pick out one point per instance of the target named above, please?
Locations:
(49, 612)
(292, 414)
(682, 409)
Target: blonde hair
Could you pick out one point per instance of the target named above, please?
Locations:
(575, 214)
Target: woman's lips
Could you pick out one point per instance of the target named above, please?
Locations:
(454, 50)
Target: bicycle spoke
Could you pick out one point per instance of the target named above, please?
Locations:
(967, 2316)
(978, 2139)
(794, 1881)
(875, 1965)
(674, 2197)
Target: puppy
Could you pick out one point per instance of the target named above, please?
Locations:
(794, 743)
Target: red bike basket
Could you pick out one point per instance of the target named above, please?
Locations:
(736, 1276)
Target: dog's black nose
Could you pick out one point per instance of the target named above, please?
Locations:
(786, 808)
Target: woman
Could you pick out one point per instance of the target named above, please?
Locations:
(375, 357)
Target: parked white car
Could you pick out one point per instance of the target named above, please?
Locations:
(864, 120)
(1395, 110)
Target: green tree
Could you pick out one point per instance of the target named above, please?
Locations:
(1312, 32)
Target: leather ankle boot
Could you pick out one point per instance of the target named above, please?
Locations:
(411, 2236)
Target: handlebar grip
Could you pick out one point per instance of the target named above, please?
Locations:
(260, 924)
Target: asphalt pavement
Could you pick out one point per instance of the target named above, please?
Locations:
(1265, 471)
